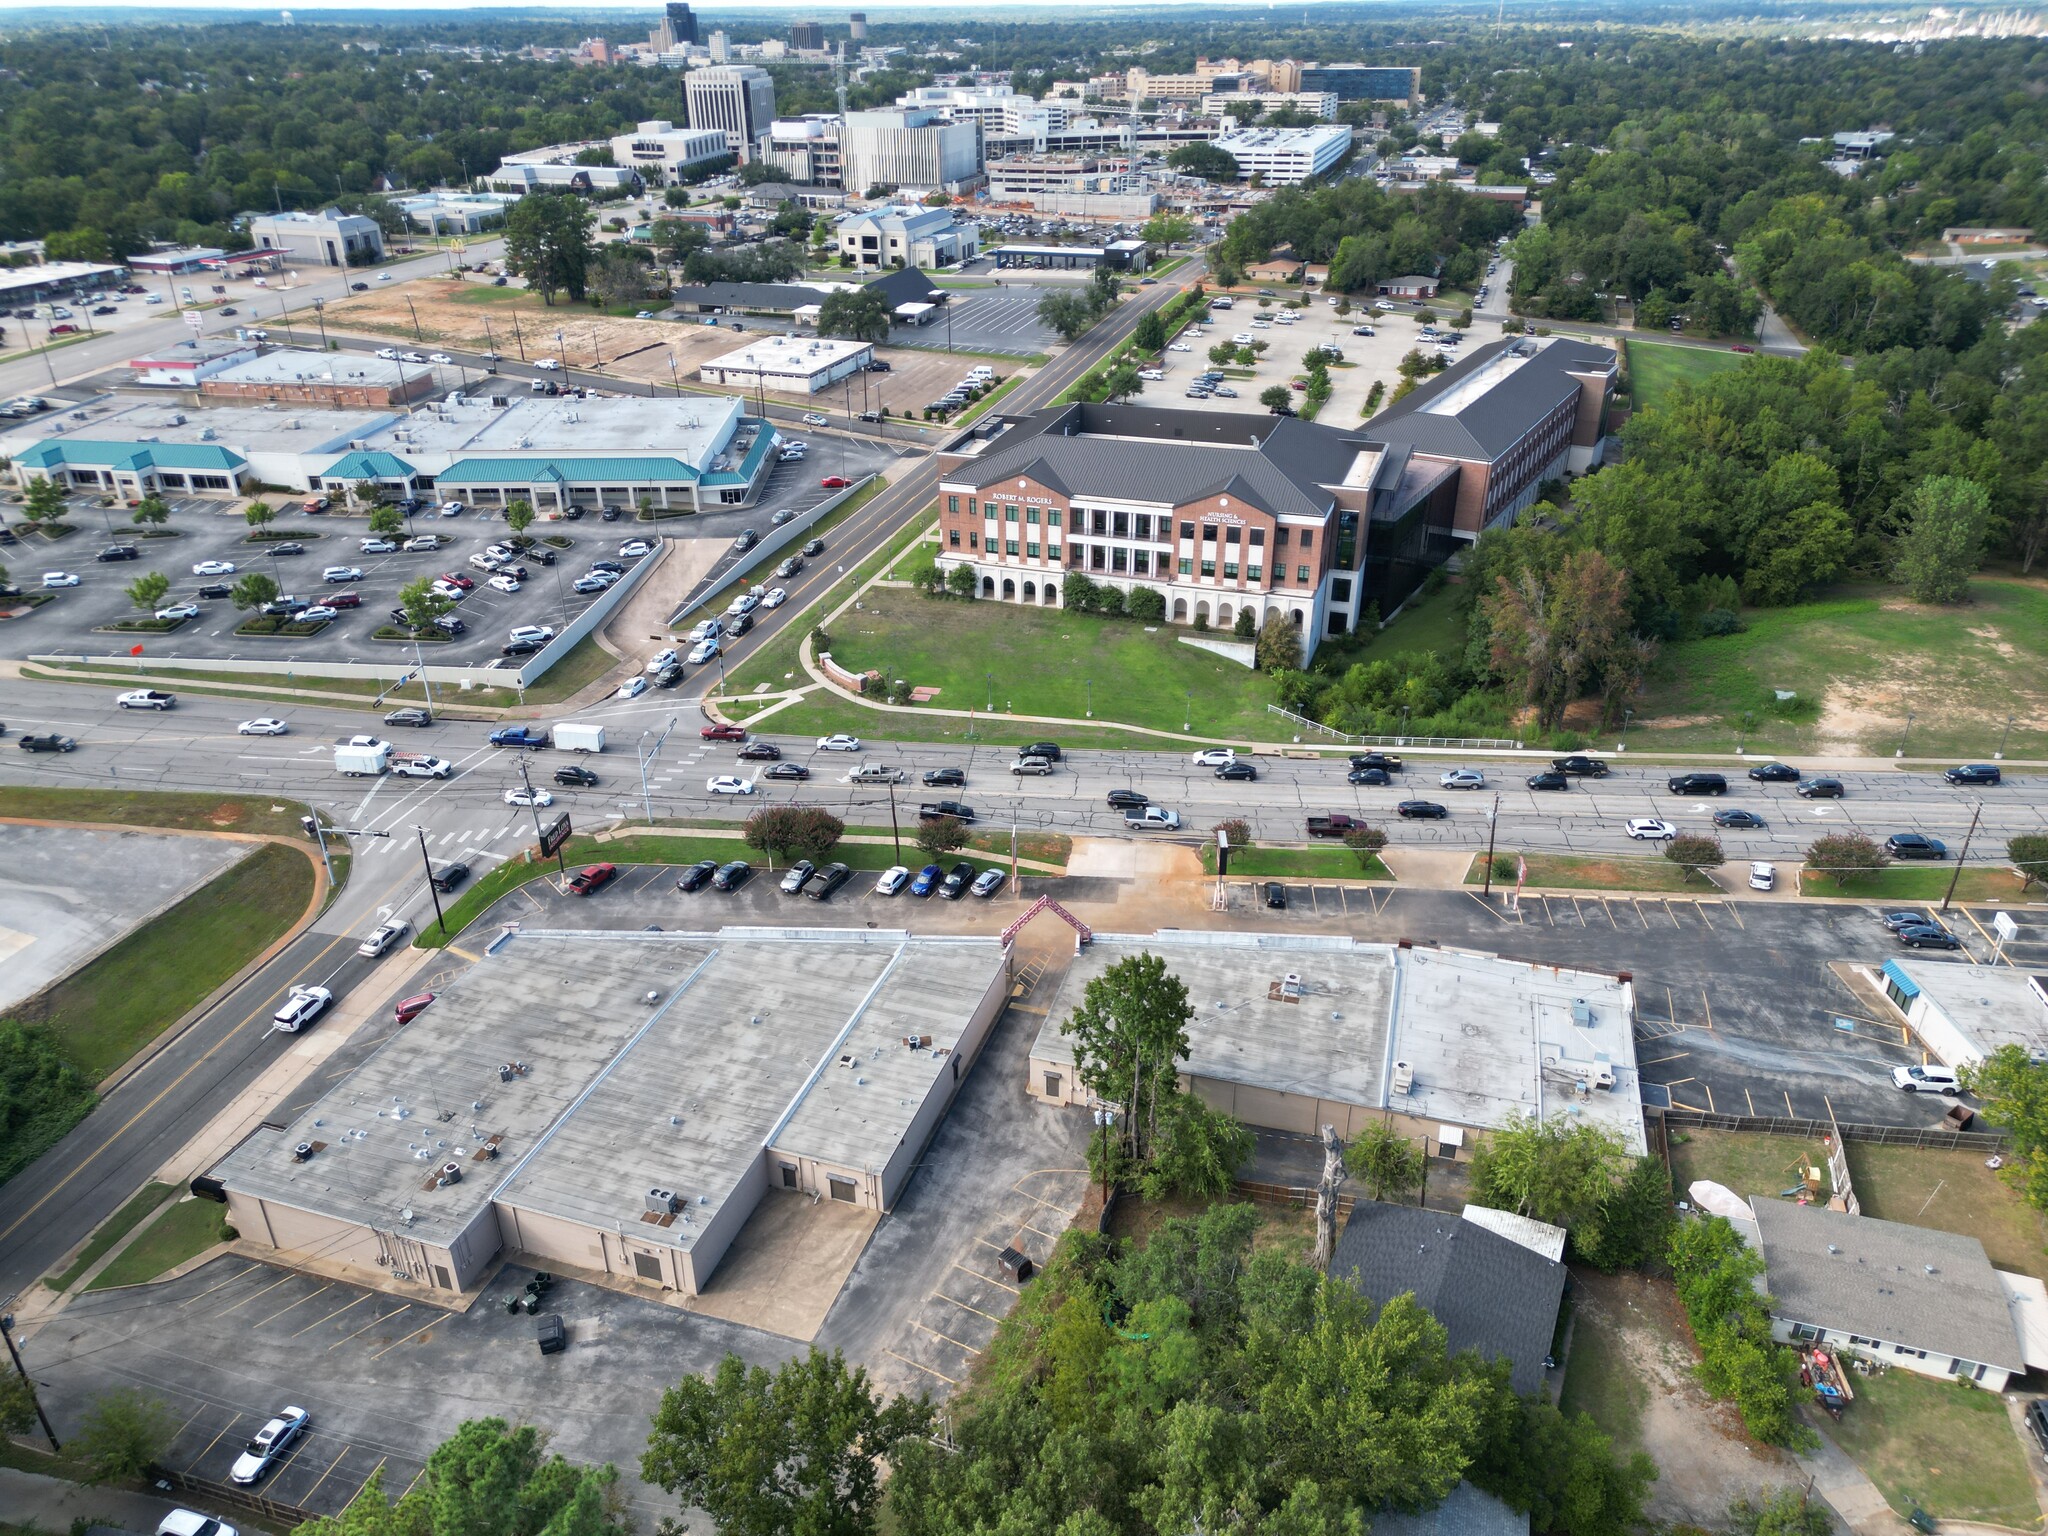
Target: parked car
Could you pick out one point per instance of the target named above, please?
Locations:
(827, 880)
(1763, 877)
(1775, 773)
(732, 876)
(697, 876)
(988, 882)
(957, 880)
(410, 1008)
(892, 880)
(797, 876)
(268, 1446)
(1930, 1078)
(593, 878)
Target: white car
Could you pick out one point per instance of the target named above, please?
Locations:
(838, 743)
(1178, 346)
(813, 419)
(525, 796)
(633, 549)
(420, 765)
(384, 937)
(451, 509)
(590, 581)
(1927, 1079)
(376, 547)
(214, 568)
(894, 878)
(1763, 877)
(502, 551)
(790, 456)
(484, 560)
(708, 629)
(275, 1437)
(729, 784)
(702, 652)
(1241, 339)
(1214, 757)
(371, 743)
(383, 277)
(449, 590)
(1462, 778)
(746, 602)
(428, 541)
(1651, 829)
(665, 657)
(775, 598)
(319, 613)
(59, 579)
(631, 688)
(263, 726)
(302, 1007)
(189, 1522)
(503, 583)
(796, 445)
(389, 354)
(547, 365)
(179, 611)
(341, 575)
(524, 632)
(439, 357)
(1151, 375)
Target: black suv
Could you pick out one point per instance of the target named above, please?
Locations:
(449, 876)
(958, 878)
(1049, 750)
(1128, 800)
(945, 778)
(826, 881)
(1697, 784)
(129, 552)
(1915, 845)
(1592, 767)
(1968, 773)
(582, 778)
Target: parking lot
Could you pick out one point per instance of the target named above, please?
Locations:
(1003, 320)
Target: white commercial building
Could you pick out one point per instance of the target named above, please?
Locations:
(183, 364)
(736, 99)
(566, 176)
(458, 213)
(661, 152)
(994, 108)
(1284, 156)
(1322, 104)
(899, 235)
(1963, 1013)
(791, 365)
(326, 239)
(1079, 185)
(914, 151)
(806, 150)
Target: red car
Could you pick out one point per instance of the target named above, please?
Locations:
(724, 730)
(410, 1008)
(584, 881)
(835, 482)
(1740, 347)
(344, 600)
(457, 579)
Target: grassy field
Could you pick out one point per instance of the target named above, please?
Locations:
(145, 808)
(1570, 872)
(112, 1230)
(115, 1004)
(187, 1229)
(1333, 863)
(1925, 882)
(1856, 662)
(1047, 661)
(1655, 370)
(1602, 1380)
(1748, 1163)
(1941, 1445)
(1434, 623)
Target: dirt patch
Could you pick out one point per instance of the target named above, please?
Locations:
(1846, 723)
(1990, 636)
(1630, 1366)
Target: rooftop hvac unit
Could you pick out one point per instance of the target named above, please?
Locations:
(302, 1151)
(1292, 986)
(451, 1173)
(660, 1202)
(1603, 1070)
(1582, 1013)
(178, 418)
(1404, 1077)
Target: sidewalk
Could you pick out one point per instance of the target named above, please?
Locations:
(53, 1504)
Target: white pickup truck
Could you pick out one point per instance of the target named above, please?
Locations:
(1152, 818)
(421, 765)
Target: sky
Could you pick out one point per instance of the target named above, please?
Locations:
(1009, 9)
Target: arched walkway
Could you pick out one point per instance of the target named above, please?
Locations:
(1030, 591)
(1201, 613)
(988, 586)
(1052, 594)
(1180, 610)
(1009, 590)
(1225, 616)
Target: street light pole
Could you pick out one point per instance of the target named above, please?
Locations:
(1999, 755)
(1492, 826)
(320, 314)
(433, 890)
(1904, 734)
(1949, 895)
(7, 1331)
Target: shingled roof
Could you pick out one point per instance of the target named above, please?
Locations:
(1491, 421)
(1491, 1293)
(1888, 1281)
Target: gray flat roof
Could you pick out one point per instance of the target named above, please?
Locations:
(1990, 1005)
(1487, 1039)
(290, 365)
(651, 1060)
(692, 429)
(247, 429)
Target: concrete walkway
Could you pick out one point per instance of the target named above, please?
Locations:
(51, 1503)
(1852, 1496)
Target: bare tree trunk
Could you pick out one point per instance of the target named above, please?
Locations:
(1326, 1199)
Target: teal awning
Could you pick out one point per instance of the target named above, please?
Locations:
(1900, 979)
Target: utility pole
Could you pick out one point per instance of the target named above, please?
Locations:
(320, 832)
(7, 1330)
(1492, 825)
(895, 828)
(1949, 894)
(433, 890)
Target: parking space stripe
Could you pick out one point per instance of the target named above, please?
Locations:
(334, 1314)
(231, 1423)
(965, 1307)
(1970, 918)
(1746, 1094)
(231, 1279)
(254, 1294)
(373, 1322)
(1734, 910)
(985, 1279)
(1709, 1090)
(946, 1336)
(406, 1340)
(1789, 1110)
(280, 1312)
(949, 1381)
(305, 1499)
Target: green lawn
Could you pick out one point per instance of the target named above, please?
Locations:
(187, 1229)
(1941, 1445)
(1332, 863)
(111, 1231)
(1856, 662)
(1655, 370)
(1048, 661)
(1922, 882)
(115, 1004)
(1435, 623)
(1603, 1380)
(150, 808)
(1570, 872)
(1746, 1162)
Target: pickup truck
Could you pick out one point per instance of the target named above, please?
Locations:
(1335, 824)
(1152, 818)
(945, 810)
(1387, 760)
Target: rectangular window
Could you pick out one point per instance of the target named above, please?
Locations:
(1031, 550)
(1308, 541)
(1075, 555)
(1098, 522)
(789, 1175)
(1230, 570)
(1009, 514)
(988, 508)
(1031, 514)
(1258, 538)
(1119, 559)
(1208, 533)
(1141, 561)
(1009, 546)
(1253, 574)
(1144, 525)
(1208, 567)
(1231, 535)
(1120, 524)
(1095, 560)
(1187, 567)
(1052, 1085)
(1301, 573)
(953, 537)
(1187, 530)
(1052, 518)
(1280, 539)
(974, 541)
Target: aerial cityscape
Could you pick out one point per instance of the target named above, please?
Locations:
(956, 771)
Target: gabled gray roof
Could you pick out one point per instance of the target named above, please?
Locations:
(1144, 453)
(907, 285)
(1490, 1293)
(769, 297)
(1487, 426)
(1887, 1281)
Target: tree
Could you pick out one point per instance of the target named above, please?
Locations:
(1562, 1469)
(620, 277)
(860, 314)
(1782, 1512)
(941, 835)
(366, 493)
(1366, 842)
(1204, 160)
(1145, 604)
(677, 239)
(259, 517)
(1223, 354)
(1845, 855)
(1066, 312)
(41, 1096)
(519, 516)
(961, 582)
(1278, 647)
(1695, 852)
(1387, 1163)
(1553, 1170)
(487, 1479)
(2014, 1088)
(799, 1450)
(17, 1404)
(2028, 852)
(1150, 335)
(386, 520)
(44, 503)
(1633, 1224)
(124, 1434)
(150, 512)
(1130, 1036)
(1943, 541)
(421, 604)
(253, 589)
(547, 242)
(794, 831)
(1165, 228)
(1552, 637)
(148, 590)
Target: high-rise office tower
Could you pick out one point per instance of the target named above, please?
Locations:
(682, 23)
(806, 34)
(738, 99)
(858, 25)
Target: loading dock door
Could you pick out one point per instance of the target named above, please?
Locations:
(648, 1267)
(842, 1189)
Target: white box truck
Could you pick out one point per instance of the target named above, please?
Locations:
(573, 736)
(362, 762)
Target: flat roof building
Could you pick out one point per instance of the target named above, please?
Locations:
(1293, 1032)
(1086, 186)
(176, 259)
(319, 378)
(738, 100)
(620, 1103)
(664, 154)
(462, 213)
(329, 238)
(792, 365)
(183, 364)
(1318, 104)
(1963, 1013)
(909, 150)
(48, 280)
(1285, 156)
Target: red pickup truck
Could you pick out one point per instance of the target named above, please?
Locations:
(1334, 825)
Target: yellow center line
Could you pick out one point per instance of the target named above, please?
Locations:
(373, 1322)
(946, 1336)
(334, 1314)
